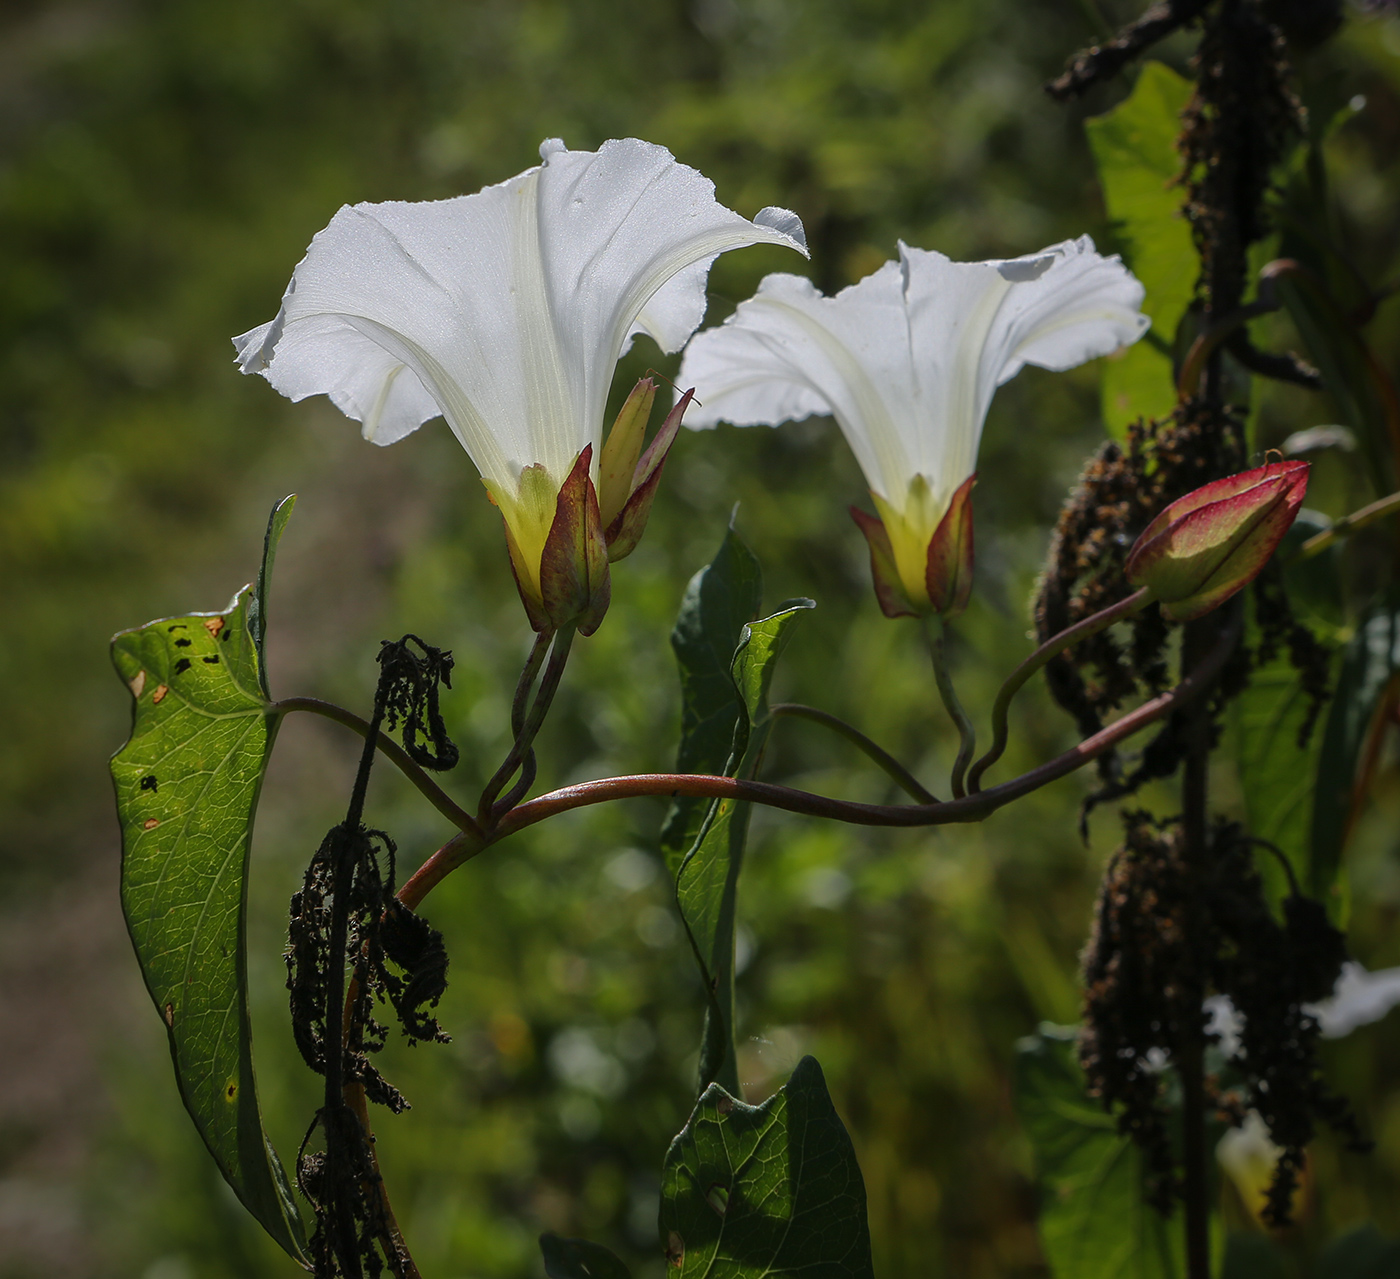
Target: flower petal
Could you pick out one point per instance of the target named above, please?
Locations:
(507, 309)
(907, 360)
(1071, 305)
(1358, 999)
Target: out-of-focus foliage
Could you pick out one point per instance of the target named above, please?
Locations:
(1135, 153)
(162, 167)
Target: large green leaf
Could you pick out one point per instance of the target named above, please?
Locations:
(1274, 771)
(187, 786)
(1370, 664)
(1134, 148)
(770, 1190)
(721, 599)
(707, 881)
(1363, 1253)
(1093, 1222)
(1254, 1256)
(579, 1259)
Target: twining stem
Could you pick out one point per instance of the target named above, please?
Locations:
(1346, 526)
(1052, 648)
(530, 723)
(521, 700)
(391, 750)
(967, 737)
(897, 772)
(972, 808)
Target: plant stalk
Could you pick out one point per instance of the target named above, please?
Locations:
(967, 736)
(900, 775)
(530, 722)
(1052, 648)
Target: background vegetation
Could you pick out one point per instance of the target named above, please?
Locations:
(162, 165)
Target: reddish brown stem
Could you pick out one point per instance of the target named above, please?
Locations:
(974, 808)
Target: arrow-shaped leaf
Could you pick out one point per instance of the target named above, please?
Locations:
(755, 1191)
(187, 786)
(708, 879)
(721, 599)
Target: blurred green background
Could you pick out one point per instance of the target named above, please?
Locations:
(163, 163)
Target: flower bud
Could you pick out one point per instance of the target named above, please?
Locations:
(1209, 544)
(937, 572)
(627, 482)
(568, 584)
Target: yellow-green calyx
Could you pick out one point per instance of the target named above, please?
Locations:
(921, 555)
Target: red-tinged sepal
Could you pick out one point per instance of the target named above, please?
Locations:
(626, 530)
(894, 600)
(574, 581)
(1214, 541)
(949, 573)
(617, 463)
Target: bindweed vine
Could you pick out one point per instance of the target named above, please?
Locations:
(1165, 591)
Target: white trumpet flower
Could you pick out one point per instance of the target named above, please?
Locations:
(907, 361)
(506, 312)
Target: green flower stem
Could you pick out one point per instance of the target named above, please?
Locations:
(524, 739)
(897, 772)
(521, 700)
(967, 737)
(391, 751)
(1346, 526)
(1052, 647)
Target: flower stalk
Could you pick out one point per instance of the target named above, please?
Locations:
(1047, 652)
(967, 736)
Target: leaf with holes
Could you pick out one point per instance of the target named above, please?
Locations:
(770, 1190)
(1135, 152)
(187, 786)
(708, 879)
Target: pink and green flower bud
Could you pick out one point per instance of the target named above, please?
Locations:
(1213, 542)
(628, 482)
(916, 575)
(562, 575)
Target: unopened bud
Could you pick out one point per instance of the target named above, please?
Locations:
(1211, 543)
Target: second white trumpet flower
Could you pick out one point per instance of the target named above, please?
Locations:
(907, 361)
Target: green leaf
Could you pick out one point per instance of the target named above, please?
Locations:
(721, 598)
(579, 1259)
(708, 878)
(1269, 715)
(1254, 1256)
(1363, 1253)
(770, 1190)
(187, 786)
(1370, 664)
(1093, 1222)
(1134, 147)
